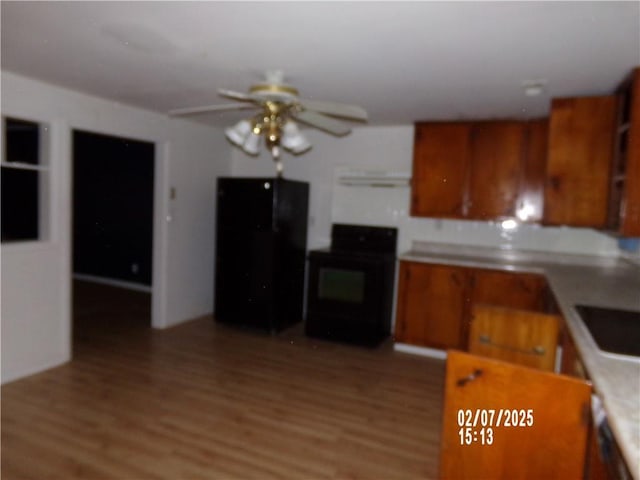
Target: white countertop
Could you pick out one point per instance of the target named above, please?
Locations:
(574, 279)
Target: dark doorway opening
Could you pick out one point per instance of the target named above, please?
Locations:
(113, 184)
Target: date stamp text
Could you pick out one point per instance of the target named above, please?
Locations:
(477, 425)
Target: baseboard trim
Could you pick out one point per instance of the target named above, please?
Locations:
(113, 282)
(19, 373)
(422, 351)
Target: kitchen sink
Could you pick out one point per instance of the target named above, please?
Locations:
(614, 331)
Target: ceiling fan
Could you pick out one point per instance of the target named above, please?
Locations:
(279, 107)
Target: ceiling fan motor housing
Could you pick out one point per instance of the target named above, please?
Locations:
(275, 92)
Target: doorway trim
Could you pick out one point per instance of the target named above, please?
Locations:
(160, 227)
(160, 247)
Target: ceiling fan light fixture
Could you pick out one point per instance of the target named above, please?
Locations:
(280, 110)
(292, 139)
(239, 132)
(251, 144)
(274, 133)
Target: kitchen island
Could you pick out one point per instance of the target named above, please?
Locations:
(609, 282)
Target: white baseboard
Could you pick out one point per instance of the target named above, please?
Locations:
(422, 351)
(113, 282)
(10, 374)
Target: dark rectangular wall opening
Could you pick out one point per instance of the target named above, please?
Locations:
(20, 187)
(113, 182)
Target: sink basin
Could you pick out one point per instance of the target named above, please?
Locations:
(614, 331)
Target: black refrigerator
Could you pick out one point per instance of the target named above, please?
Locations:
(261, 241)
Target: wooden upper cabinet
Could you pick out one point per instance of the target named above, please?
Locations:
(580, 149)
(432, 306)
(630, 214)
(482, 170)
(625, 185)
(531, 193)
(496, 164)
(440, 168)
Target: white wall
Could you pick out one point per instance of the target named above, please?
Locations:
(198, 155)
(366, 147)
(392, 148)
(36, 276)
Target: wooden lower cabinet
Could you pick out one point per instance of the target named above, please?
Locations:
(449, 307)
(525, 291)
(434, 300)
(432, 305)
(544, 421)
(570, 364)
(597, 467)
(518, 336)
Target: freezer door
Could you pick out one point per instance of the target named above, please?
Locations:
(246, 203)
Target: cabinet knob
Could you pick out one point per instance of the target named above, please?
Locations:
(554, 182)
(469, 378)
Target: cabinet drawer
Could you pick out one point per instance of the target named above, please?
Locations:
(517, 336)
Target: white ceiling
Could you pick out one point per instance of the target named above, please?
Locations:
(401, 61)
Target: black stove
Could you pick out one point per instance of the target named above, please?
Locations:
(363, 239)
(350, 287)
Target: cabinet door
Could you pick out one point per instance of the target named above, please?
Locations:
(630, 208)
(531, 194)
(571, 364)
(432, 305)
(552, 446)
(581, 134)
(440, 168)
(524, 291)
(519, 336)
(496, 164)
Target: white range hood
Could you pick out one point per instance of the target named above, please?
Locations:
(366, 177)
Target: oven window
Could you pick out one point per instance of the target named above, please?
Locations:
(341, 285)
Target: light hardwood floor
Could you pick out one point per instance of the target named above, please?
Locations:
(206, 401)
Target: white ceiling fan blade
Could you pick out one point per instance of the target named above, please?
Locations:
(238, 95)
(336, 109)
(322, 122)
(210, 108)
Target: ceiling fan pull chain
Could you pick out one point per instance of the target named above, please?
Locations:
(279, 167)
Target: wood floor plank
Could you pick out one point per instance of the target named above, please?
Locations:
(207, 401)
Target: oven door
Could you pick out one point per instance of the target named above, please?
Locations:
(345, 297)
